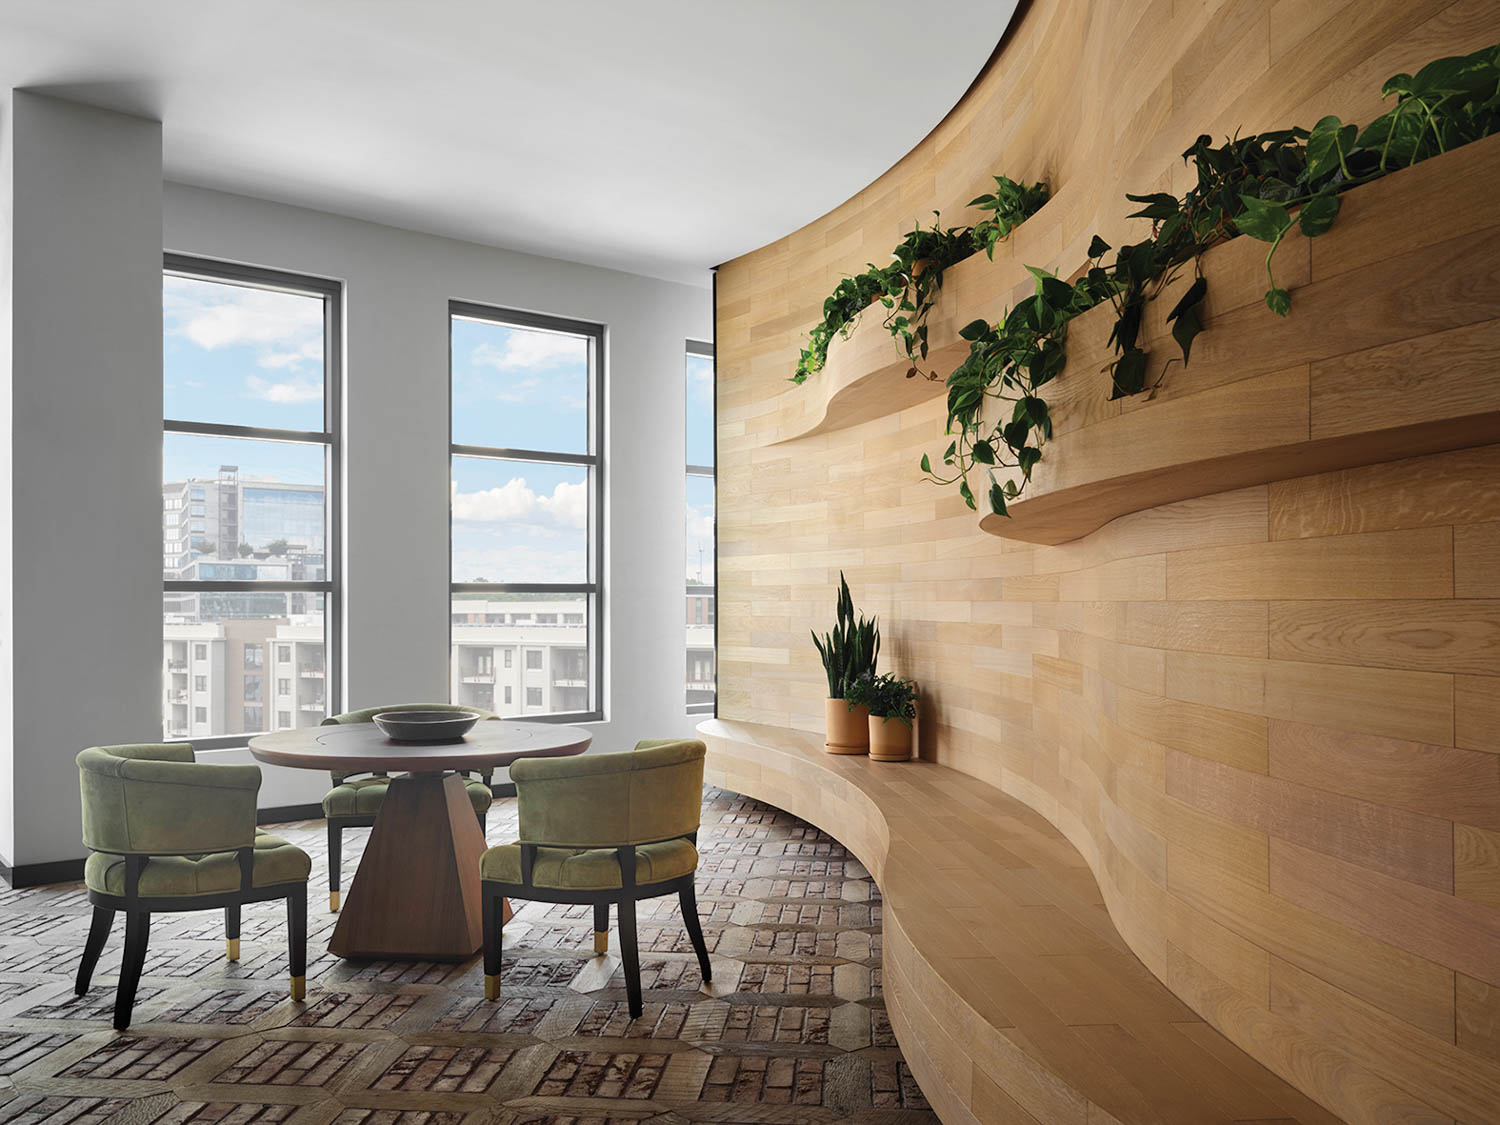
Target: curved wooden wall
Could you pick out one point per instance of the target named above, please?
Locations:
(1268, 718)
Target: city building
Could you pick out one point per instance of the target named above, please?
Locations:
(227, 670)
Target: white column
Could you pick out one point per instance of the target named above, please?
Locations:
(82, 621)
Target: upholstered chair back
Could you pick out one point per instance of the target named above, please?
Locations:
(157, 800)
(654, 792)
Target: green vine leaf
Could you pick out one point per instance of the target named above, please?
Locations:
(1263, 219)
(1262, 185)
(1318, 215)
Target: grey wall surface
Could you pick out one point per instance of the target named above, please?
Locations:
(85, 400)
(397, 287)
(87, 220)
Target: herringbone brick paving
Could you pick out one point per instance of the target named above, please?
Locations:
(791, 1032)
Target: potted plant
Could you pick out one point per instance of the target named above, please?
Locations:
(892, 704)
(848, 654)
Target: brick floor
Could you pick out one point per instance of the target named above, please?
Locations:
(791, 1030)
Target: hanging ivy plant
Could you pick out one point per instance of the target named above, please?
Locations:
(1261, 186)
(908, 286)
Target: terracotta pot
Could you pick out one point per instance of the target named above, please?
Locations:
(922, 265)
(848, 731)
(890, 740)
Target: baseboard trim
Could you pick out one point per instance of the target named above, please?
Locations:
(40, 874)
(281, 814)
(71, 870)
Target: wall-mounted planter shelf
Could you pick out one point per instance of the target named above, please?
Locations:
(1392, 350)
(865, 376)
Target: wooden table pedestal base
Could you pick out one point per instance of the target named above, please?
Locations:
(416, 893)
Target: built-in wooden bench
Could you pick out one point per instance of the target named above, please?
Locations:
(1011, 993)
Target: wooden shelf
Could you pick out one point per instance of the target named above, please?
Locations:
(865, 376)
(1392, 350)
(1000, 961)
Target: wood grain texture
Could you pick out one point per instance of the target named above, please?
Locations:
(1253, 713)
(1476, 864)
(1010, 982)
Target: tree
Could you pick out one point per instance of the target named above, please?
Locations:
(246, 550)
(276, 547)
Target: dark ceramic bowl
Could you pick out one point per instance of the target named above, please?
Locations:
(425, 726)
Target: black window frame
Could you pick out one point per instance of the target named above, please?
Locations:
(711, 472)
(330, 437)
(593, 460)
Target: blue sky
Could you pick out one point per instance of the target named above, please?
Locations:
(238, 355)
(519, 388)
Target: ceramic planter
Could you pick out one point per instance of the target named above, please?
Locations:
(890, 740)
(848, 731)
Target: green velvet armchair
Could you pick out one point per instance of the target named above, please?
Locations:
(166, 834)
(602, 829)
(354, 802)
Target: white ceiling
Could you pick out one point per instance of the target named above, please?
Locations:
(656, 136)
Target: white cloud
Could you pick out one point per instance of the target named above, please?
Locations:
(285, 329)
(283, 393)
(519, 392)
(525, 350)
(514, 502)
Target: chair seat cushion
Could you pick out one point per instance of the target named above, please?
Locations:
(364, 796)
(176, 876)
(590, 869)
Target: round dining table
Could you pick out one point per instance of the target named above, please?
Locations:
(416, 893)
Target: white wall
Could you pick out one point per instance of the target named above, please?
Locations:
(84, 393)
(397, 287)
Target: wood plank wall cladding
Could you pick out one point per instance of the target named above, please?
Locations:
(1268, 718)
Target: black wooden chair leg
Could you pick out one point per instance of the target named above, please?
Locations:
(335, 855)
(687, 896)
(232, 932)
(137, 932)
(601, 927)
(630, 956)
(484, 820)
(104, 918)
(296, 929)
(493, 936)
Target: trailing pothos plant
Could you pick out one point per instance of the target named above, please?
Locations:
(907, 287)
(1261, 186)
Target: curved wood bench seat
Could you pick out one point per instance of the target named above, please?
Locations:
(1013, 996)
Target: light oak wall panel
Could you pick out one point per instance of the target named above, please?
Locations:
(1267, 719)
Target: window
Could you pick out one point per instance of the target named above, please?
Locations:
(701, 537)
(283, 720)
(509, 657)
(527, 459)
(250, 372)
(200, 714)
(283, 686)
(507, 697)
(200, 683)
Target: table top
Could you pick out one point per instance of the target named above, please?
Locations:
(361, 747)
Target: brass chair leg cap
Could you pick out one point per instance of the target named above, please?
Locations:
(491, 986)
(601, 942)
(333, 902)
(299, 988)
(232, 948)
